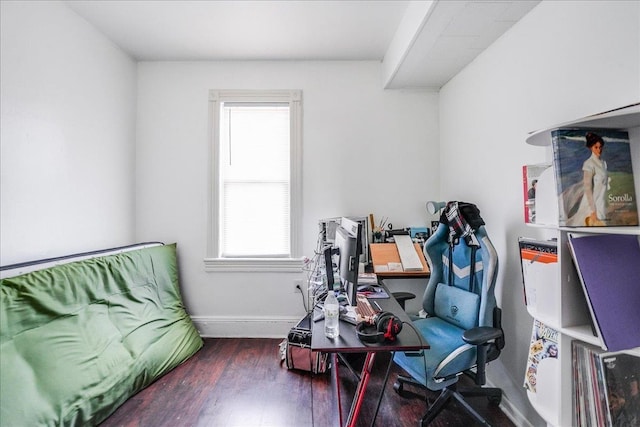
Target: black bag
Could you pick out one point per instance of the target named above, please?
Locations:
(296, 351)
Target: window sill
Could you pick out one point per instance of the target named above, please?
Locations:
(254, 265)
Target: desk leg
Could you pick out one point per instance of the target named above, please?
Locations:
(336, 386)
(361, 389)
(384, 385)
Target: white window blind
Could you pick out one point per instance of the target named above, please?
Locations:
(254, 176)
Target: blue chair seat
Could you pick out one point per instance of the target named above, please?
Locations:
(447, 350)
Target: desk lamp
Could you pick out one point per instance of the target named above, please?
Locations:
(435, 207)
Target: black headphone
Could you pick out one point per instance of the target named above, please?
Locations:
(387, 327)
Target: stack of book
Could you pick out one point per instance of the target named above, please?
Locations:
(606, 387)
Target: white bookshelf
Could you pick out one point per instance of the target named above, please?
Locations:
(553, 399)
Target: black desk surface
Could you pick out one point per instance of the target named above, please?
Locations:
(348, 341)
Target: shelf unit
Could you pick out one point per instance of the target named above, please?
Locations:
(570, 316)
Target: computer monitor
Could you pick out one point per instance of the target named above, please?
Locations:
(348, 241)
(328, 252)
(328, 228)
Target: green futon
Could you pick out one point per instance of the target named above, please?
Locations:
(77, 340)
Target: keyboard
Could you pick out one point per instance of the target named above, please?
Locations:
(408, 255)
(364, 311)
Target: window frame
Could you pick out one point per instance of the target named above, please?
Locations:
(213, 260)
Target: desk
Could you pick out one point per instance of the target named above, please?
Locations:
(348, 342)
(384, 253)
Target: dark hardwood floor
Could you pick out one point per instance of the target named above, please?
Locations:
(240, 383)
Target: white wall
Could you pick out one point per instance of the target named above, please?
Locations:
(67, 135)
(563, 61)
(365, 150)
(68, 100)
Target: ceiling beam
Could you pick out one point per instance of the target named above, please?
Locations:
(415, 18)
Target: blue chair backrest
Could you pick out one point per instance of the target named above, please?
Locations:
(465, 269)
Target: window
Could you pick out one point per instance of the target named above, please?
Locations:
(255, 181)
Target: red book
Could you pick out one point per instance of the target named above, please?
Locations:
(530, 174)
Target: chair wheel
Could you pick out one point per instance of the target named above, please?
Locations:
(398, 387)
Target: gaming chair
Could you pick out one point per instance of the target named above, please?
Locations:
(463, 323)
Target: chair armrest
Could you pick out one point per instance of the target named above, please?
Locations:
(481, 335)
(401, 297)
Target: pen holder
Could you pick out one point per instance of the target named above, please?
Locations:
(379, 236)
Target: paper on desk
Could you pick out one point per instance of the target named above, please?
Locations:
(381, 268)
(351, 312)
(395, 266)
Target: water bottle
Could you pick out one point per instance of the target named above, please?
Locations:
(331, 316)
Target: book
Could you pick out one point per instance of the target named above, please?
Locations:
(543, 344)
(539, 266)
(547, 198)
(588, 386)
(606, 386)
(608, 267)
(530, 176)
(594, 177)
(622, 381)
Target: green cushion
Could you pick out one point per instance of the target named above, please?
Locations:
(77, 340)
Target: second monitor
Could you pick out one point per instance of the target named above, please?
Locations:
(348, 242)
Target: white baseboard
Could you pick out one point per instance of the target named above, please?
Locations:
(244, 327)
(511, 411)
(514, 414)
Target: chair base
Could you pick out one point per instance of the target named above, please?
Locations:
(494, 395)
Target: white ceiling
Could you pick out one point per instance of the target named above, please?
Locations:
(421, 43)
